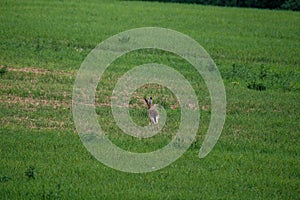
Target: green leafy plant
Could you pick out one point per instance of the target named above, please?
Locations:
(4, 179)
(30, 172)
(3, 70)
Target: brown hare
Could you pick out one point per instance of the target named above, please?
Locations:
(152, 111)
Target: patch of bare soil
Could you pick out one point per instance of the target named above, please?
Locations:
(36, 70)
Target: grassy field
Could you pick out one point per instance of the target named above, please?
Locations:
(42, 45)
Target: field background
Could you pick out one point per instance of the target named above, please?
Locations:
(42, 45)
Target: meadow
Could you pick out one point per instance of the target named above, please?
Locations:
(42, 45)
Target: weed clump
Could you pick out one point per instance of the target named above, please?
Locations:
(4, 179)
(3, 70)
(30, 172)
(262, 78)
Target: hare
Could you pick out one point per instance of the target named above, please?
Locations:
(152, 111)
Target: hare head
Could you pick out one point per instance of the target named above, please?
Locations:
(149, 102)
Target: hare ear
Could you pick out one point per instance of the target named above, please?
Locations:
(146, 101)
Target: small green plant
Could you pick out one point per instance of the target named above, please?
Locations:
(3, 70)
(256, 86)
(4, 179)
(30, 172)
(258, 82)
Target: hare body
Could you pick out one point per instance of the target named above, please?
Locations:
(153, 115)
(152, 112)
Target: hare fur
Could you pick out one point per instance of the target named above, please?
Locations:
(152, 111)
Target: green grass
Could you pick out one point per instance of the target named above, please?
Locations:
(42, 45)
